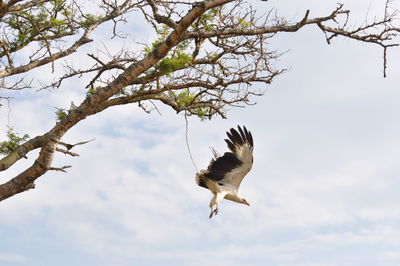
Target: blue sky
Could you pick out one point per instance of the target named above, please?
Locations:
(323, 189)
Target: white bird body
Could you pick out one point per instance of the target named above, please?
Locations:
(225, 173)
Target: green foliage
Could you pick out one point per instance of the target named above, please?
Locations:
(177, 59)
(202, 112)
(163, 32)
(89, 20)
(213, 56)
(207, 21)
(182, 98)
(43, 22)
(244, 23)
(14, 140)
(186, 98)
(62, 113)
(90, 91)
(174, 62)
(208, 18)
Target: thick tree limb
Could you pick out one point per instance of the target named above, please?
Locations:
(21, 151)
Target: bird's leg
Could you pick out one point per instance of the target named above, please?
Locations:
(215, 211)
(215, 200)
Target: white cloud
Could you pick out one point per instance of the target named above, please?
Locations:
(12, 258)
(390, 255)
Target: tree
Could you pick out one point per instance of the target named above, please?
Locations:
(205, 58)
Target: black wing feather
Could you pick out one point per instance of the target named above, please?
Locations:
(242, 135)
(221, 166)
(248, 136)
(230, 145)
(237, 139)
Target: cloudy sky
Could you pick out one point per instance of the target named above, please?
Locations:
(324, 189)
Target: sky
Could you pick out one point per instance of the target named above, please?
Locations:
(323, 189)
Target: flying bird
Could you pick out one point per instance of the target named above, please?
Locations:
(225, 173)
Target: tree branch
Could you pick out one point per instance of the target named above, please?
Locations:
(159, 18)
(21, 152)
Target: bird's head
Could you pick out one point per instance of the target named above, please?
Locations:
(245, 202)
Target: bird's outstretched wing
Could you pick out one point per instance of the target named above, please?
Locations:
(232, 167)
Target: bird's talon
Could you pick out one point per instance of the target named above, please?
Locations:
(213, 212)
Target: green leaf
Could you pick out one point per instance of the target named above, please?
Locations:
(174, 62)
(244, 23)
(61, 113)
(14, 140)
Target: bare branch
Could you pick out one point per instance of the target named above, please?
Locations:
(67, 152)
(60, 169)
(159, 18)
(70, 146)
(36, 63)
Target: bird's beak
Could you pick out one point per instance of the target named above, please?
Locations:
(245, 202)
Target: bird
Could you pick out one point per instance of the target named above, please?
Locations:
(225, 173)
